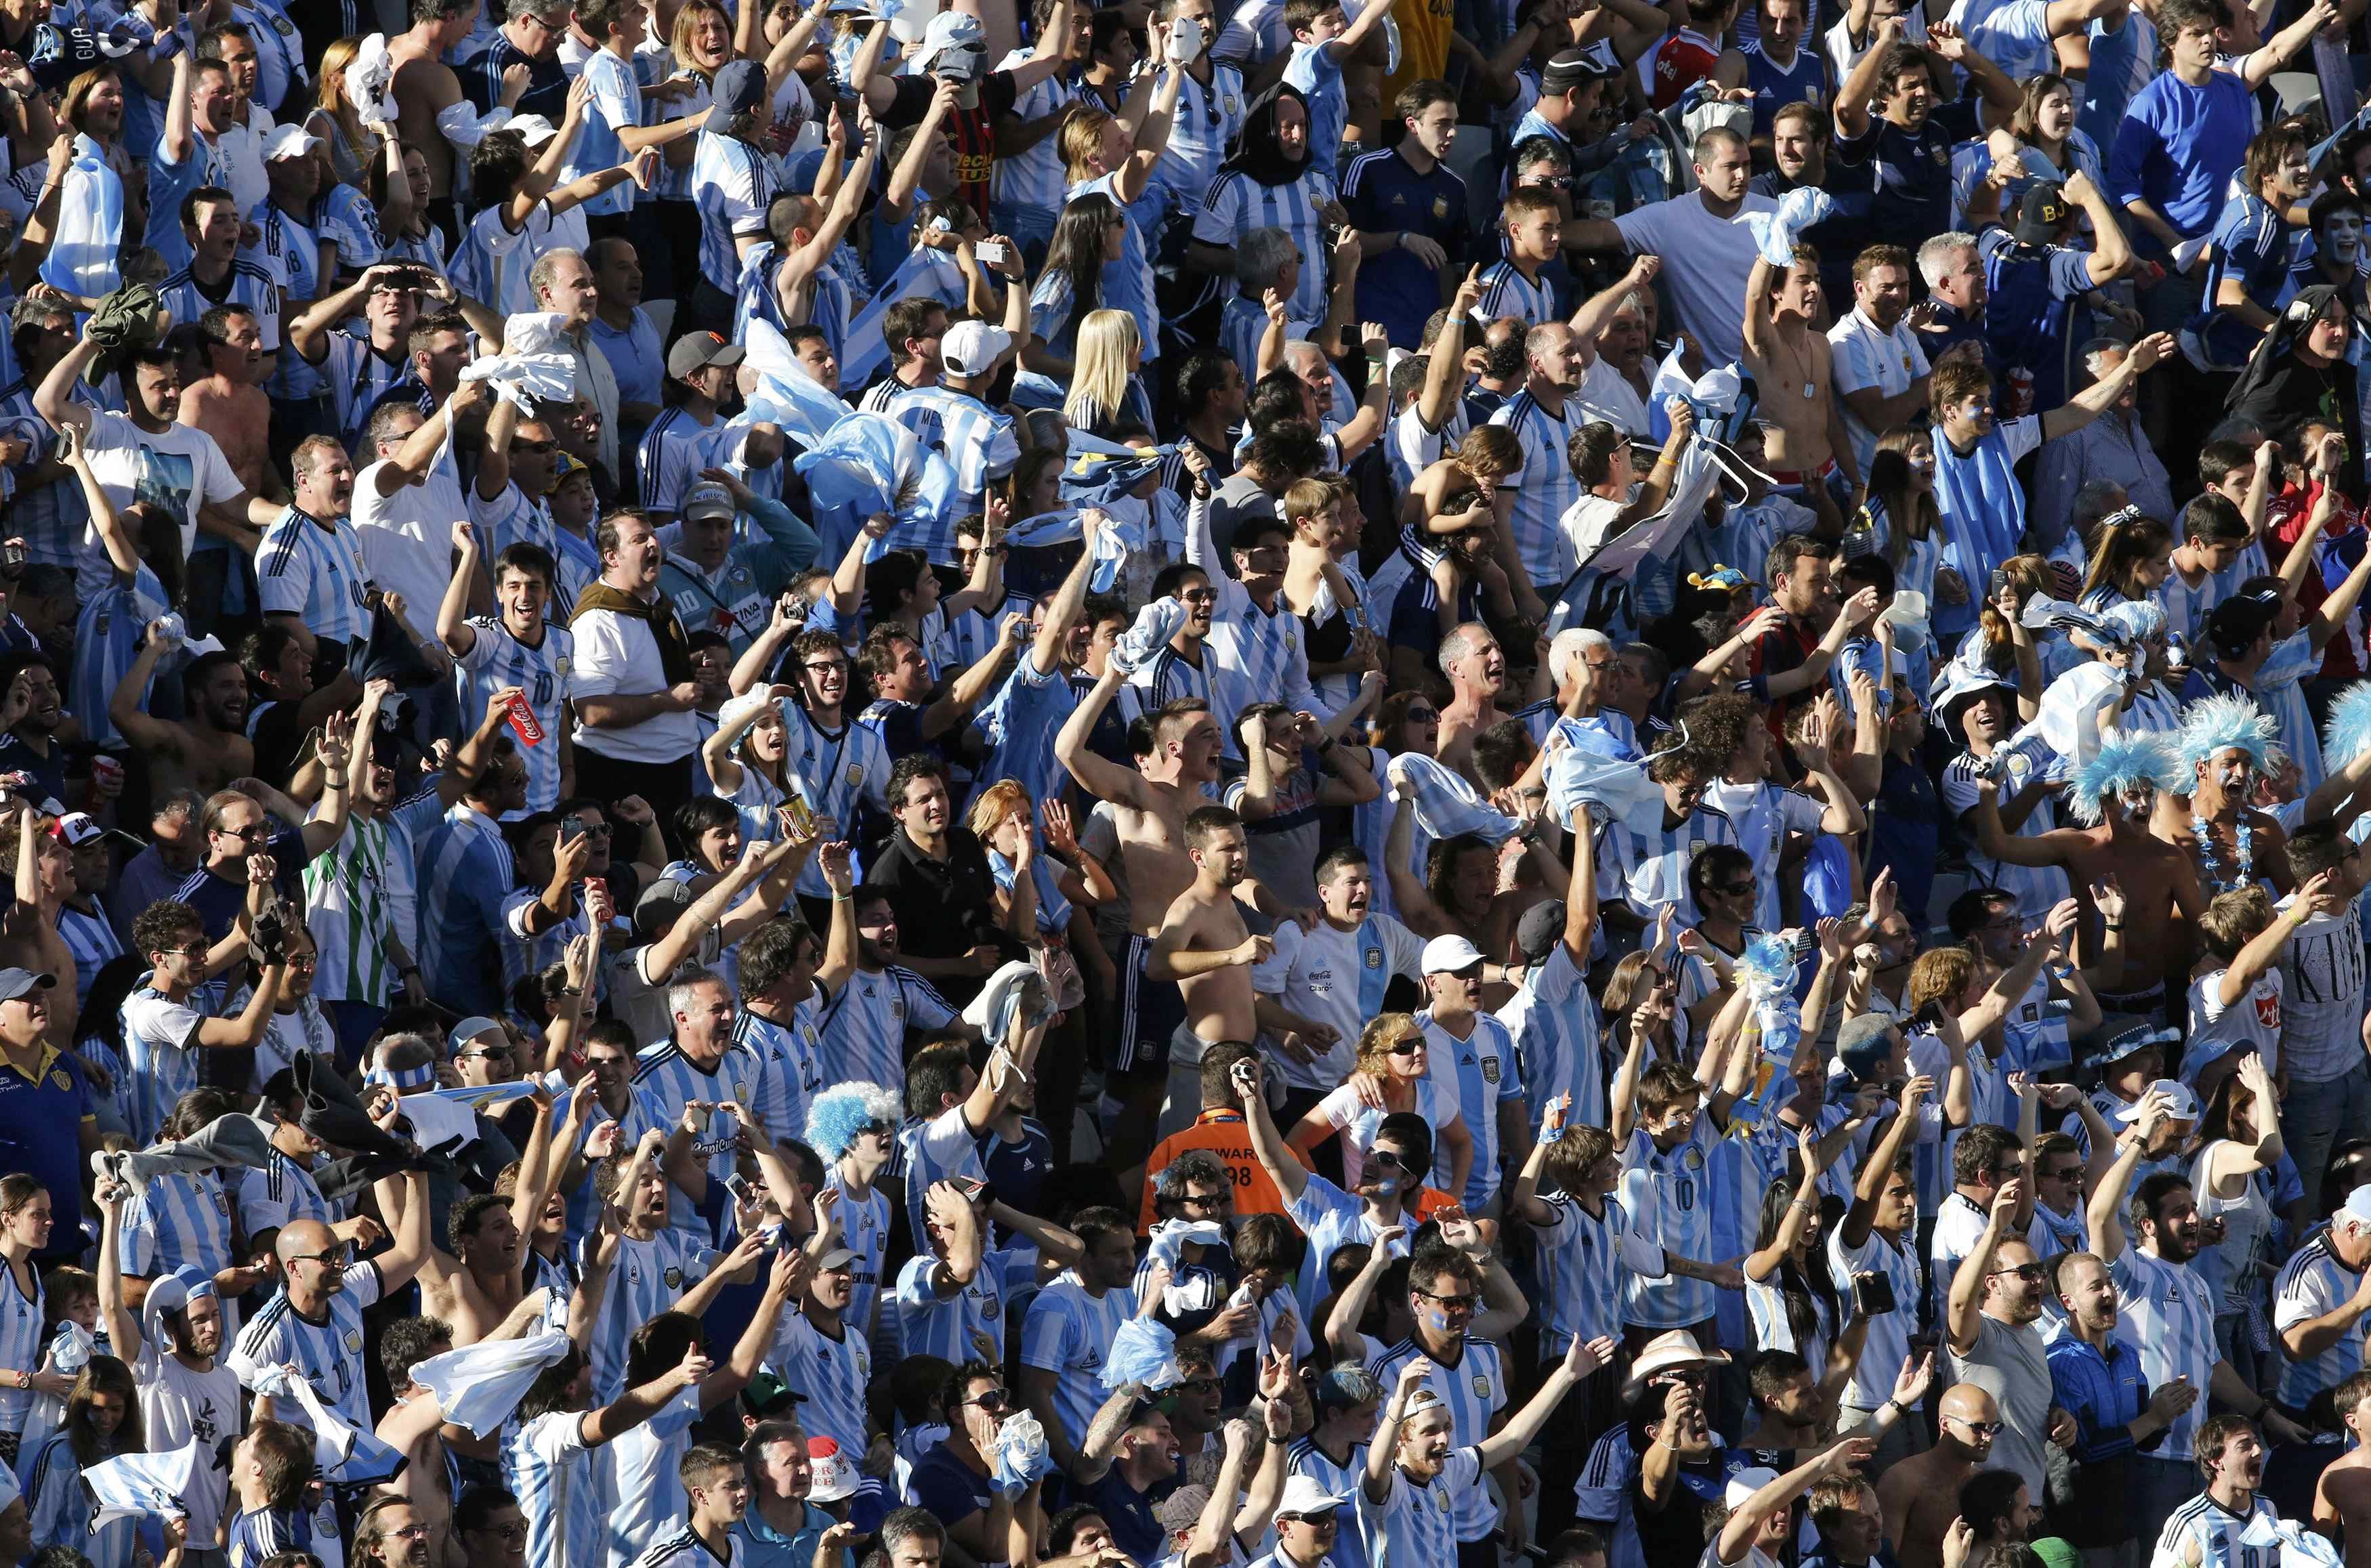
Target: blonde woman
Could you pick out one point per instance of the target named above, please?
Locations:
(1105, 393)
(353, 144)
(1394, 1056)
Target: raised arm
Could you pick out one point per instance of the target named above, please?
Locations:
(1268, 1146)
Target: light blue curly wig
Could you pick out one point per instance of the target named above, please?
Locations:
(2228, 722)
(2348, 734)
(2125, 760)
(838, 1113)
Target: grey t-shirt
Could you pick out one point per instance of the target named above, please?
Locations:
(2008, 1364)
(1235, 500)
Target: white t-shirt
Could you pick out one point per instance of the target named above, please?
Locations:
(408, 536)
(1608, 397)
(1707, 261)
(618, 656)
(1585, 526)
(180, 469)
(2216, 1030)
(1327, 976)
(2321, 997)
(1861, 357)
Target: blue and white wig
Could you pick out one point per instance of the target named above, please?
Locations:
(2213, 725)
(839, 1114)
(2348, 734)
(2127, 761)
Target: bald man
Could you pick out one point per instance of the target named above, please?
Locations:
(1476, 668)
(316, 1320)
(1921, 1494)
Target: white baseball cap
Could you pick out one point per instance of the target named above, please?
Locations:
(970, 348)
(2185, 1104)
(1304, 1494)
(288, 141)
(1446, 955)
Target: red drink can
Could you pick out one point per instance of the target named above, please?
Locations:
(106, 770)
(523, 723)
(2020, 392)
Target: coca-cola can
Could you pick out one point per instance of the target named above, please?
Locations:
(523, 723)
(2020, 392)
(105, 772)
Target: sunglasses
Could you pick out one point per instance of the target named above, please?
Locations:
(328, 1257)
(1407, 1048)
(1422, 716)
(1981, 1428)
(2030, 1273)
(1454, 1303)
(1387, 1160)
(1738, 889)
(992, 1402)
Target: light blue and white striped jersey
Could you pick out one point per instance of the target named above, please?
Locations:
(160, 1046)
(2218, 1534)
(1128, 282)
(1067, 1331)
(945, 1146)
(979, 442)
(1034, 181)
(548, 1467)
(864, 1230)
(1420, 1524)
(1170, 674)
(1243, 326)
(1252, 654)
(1583, 1265)
(1653, 870)
(674, 450)
(289, 252)
(2036, 888)
(1668, 1195)
(1305, 1457)
(930, 1326)
(1506, 292)
(616, 101)
(789, 1058)
(358, 377)
(2314, 1284)
(638, 1473)
(1559, 1040)
(51, 518)
(835, 771)
(866, 1024)
(1763, 815)
(733, 183)
(1332, 1219)
(666, 1080)
(832, 1370)
(1481, 1073)
(1206, 120)
(308, 568)
(499, 659)
(466, 873)
(1888, 1332)
(1237, 204)
(2124, 61)
(329, 1355)
(1473, 1386)
(1545, 487)
(21, 1318)
(282, 1191)
(90, 937)
(649, 1277)
(249, 286)
(57, 1510)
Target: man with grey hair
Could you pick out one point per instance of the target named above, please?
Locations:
(563, 283)
(2112, 446)
(700, 1063)
(1476, 668)
(1268, 259)
(1544, 416)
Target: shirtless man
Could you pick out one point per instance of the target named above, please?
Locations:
(1788, 357)
(2226, 782)
(1921, 1494)
(205, 751)
(2160, 883)
(1204, 946)
(1152, 802)
(424, 86)
(227, 403)
(1476, 668)
(481, 1281)
(2341, 1498)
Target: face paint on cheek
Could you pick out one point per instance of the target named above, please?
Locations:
(1437, 1319)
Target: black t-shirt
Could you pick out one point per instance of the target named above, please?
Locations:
(945, 908)
(1674, 1537)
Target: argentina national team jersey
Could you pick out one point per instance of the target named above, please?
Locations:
(91, 938)
(867, 1021)
(1237, 204)
(328, 1354)
(176, 1220)
(1067, 1331)
(499, 659)
(976, 440)
(248, 285)
(951, 1326)
(733, 183)
(666, 1079)
(282, 1192)
(1207, 118)
(1482, 1074)
(1545, 486)
(1031, 182)
(1473, 1384)
(1653, 869)
(834, 771)
(1415, 1525)
(314, 571)
(289, 252)
(549, 1468)
(789, 1058)
(2205, 1533)
(864, 1230)
(2035, 887)
(2167, 1311)
(1584, 1260)
(261, 1534)
(2313, 1284)
(1668, 1195)
(649, 1277)
(358, 376)
(1558, 1037)
(831, 1369)
(1506, 292)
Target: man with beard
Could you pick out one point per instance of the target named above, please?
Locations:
(1127, 1465)
(2095, 1376)
(1416, 1480)
(2207, 1530)
(911, 723)
(1995, 1299)
(2169, 1310)
(29, 717)
(227, 403)
(186, 1393)
(1206, 950)
(314, 1321)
